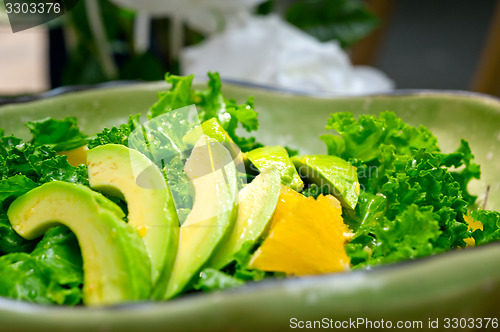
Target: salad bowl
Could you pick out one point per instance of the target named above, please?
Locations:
(461, 284)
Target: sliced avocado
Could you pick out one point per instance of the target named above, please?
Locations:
(276, 156)
(213, 129)
(257, 202)
(119, 171)
(115, 262)
(212, 174)
(339, 175)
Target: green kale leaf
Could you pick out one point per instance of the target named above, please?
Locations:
(61, 134)
(52, 273)
(117, 134)
(178, 96)
(211, 280)
(491, 226)
(24, 166)
(413, 197)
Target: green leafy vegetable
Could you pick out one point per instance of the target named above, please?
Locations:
(38, 163)
(210, 103)
(491, 226)
(211, 279)
(15, 186)
(314, 191)
(11, 188)
(25, 166)
(10, 241)
(179, 186)
(117, 134)
(362, 138)
(210, 100)
(411, 234)
(234, 275)
(463, 158)
(408, 187)
(52, 273)
(59, 134)
(239, 268)
(245, 115)
(178, 96)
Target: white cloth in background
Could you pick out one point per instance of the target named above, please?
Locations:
(205, 16)
(267, 50)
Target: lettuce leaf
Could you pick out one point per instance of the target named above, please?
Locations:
(38, 163)
(491, 226)
(24, 166)
(178, 96)
(179, 186)
(117, 134)
(314, 190)
(234, 275)
(463, 158)
(365, 138)
(211, 280)
(245, 115)
(61, 134)
(413, 196)
(210, 103)
(11, 188)
(52, 273)
(10, 241)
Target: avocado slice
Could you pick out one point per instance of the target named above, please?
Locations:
(115, 262)
(257, 202)
(212, 174)
(213, 129)
(276, 156)
(339, 175)
(119, 171)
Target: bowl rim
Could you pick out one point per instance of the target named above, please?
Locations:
(59, 91)
(9, 304)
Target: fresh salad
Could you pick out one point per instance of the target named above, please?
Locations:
(184, 201)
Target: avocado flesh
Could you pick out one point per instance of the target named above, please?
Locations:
(116, 170)
(213, 129)
(276, 156)
(257, 202)
(339, 175)
(212, 174)
(115, 262)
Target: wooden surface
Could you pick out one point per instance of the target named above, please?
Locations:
(23, 61)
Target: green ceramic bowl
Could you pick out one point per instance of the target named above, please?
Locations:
(462, 283)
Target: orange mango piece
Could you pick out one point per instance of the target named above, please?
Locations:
(76, 156)
(307, 236)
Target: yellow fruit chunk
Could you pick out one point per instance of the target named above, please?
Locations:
(76, 156)
(288, 198)
(472, 224)
(307, 236)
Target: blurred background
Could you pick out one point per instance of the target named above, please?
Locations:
(332, 46)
